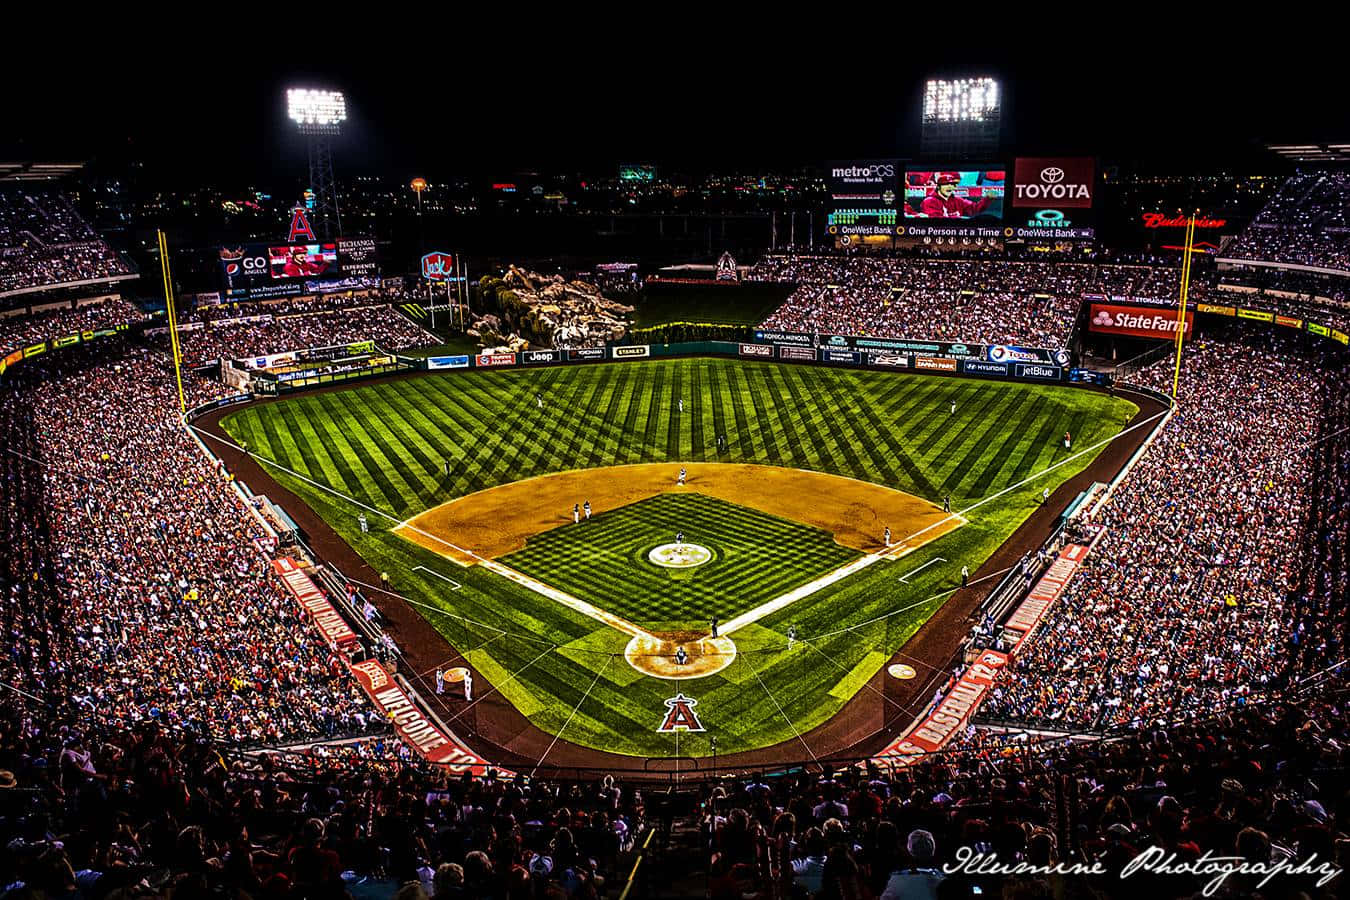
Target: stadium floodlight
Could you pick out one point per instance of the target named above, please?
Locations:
(315, 111)
(960, 99)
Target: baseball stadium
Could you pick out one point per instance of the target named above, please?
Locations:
(483, 529)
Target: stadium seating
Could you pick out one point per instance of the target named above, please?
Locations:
(975, 300)
(45, 242)
(1306, 223)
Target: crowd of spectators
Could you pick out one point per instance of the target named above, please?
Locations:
(145, 597)
(386, 326)
(1264, 784)
(1222, 574)
(24, 329)
(1306, 223)
(45, 241)
(976, 300)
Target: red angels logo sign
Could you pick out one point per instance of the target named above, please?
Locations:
(680, 715)
(300, 225)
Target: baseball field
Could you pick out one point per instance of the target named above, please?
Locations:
(793, 474)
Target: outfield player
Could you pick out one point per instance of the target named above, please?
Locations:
(953, 407)
(791, 636)
(447, 468)
(681, 403)
(365, 526)
(586, 509)
(539, 399)
(886, 536)
(680, 480)
(576, 513)
(1068, 442)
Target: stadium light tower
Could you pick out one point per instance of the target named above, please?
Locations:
(962, 117)
(319, 115)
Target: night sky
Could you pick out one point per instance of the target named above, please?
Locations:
(491, 102)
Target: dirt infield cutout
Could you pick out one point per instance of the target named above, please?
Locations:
(491, 523)
(478, 528)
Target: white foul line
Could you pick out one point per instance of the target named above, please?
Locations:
(455, 584)
(904, 578)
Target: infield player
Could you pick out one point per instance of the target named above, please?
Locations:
(576, 513)
(680, 656)
(886, 536)
(586, 509)
(440, 681)
(683, 473)
(947, 503)
(791, 636)
(468, 685)
(714, 626)
(679, 537)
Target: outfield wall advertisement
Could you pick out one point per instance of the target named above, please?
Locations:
(1136, 321)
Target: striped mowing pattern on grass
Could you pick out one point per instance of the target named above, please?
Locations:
(386, 444)
(756, 557)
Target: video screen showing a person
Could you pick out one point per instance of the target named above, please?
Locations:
(954, 195)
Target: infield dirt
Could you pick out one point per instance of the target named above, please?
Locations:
(493, 522)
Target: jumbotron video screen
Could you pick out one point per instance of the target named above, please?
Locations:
(975, 194)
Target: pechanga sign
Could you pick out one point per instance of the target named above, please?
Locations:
(1136, 321)
(1061, 183)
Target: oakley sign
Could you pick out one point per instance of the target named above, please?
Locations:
(1067, 183)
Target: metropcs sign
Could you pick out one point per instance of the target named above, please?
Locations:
(1046, 181)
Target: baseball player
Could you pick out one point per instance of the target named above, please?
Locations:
(1045, 496)
(1068, 441)
(440, 681)
(680, 480)
(679, 537)
(953, 407)
(576, 513)
(886, 536)
(681, 403)
(791, 636)
(447, 468)
(586, 508)
(714, 626)
(468, 685)
(947, 503)
(365, 526)
(965, 576)
(539, 400)
(680, 656)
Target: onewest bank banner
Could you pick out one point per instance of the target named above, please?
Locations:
(1136, 321)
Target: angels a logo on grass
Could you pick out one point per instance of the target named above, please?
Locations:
(680, 715)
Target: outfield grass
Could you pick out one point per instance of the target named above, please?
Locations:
(756, 557)
(740, 305)
(384, 445)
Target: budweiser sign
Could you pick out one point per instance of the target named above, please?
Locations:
(1158, 220)
(1136, 321)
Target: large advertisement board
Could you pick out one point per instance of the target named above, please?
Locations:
(1136, 321)
(1043, 182)
(358, 256)
(301, 260)
(864, 196)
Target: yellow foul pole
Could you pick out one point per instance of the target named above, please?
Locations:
(1181, 307)
(173, 320)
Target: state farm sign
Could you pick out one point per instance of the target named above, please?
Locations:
(1136, 321)
(1060, 183)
